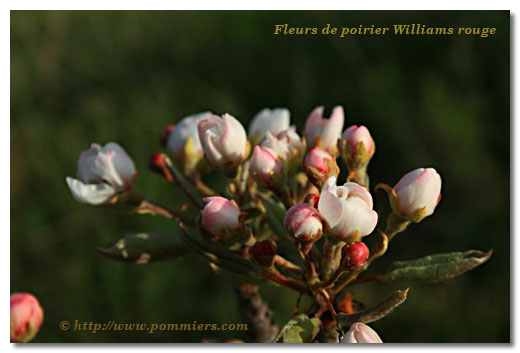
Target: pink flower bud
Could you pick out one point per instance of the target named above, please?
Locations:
(304, 223)
(319, 166)
(357, 146)
(220, 215)
(165, 134)
(417, 194)
(184, 142)
(361, 333)
(224, 141)
(322, 132)
(102, 173)
(268, 120)
(266, 168)
(286, 145)
(354, 256)
(263, 253)
(26, 317)
(347, 210)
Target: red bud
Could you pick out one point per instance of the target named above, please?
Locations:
(263, 253)
(156, 162)
(355, 256)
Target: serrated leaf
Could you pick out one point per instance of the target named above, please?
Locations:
(435, 268)
(300, 329)
(376, 312)
(142, 248)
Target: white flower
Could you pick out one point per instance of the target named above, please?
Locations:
(268, 120)
(102, 173)
(223, 139)
(287, 145)
(187, 128)
(347, 210)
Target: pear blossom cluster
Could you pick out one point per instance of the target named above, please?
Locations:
(324, 212)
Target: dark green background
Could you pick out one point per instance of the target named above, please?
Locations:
(79, 77)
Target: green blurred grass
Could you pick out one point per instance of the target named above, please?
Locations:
(82, 77)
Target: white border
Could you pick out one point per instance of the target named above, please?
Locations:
(249, 5)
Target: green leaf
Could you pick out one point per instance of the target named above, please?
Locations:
(220, 256)
(275, 216)
(300, 329)
(142, 248)
(376, 312)
(435, 268)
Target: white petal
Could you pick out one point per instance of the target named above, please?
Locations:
(356, 190)
(124, 166)
(105, 169)
(330, 208)
(280, 120)
(187, 127)
(92, 194)
(279, 147)
(86, 162)
(212, 153)
(408, 179)
(332, 128)
(349, 337)
(259, 123)
(330, 183)
(233, 140)
(314, 125)
(356, 216)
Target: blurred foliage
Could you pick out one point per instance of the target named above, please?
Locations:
(82, 77)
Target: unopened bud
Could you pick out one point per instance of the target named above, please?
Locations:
(224, 141)
(320, 166)
(354, 256)
(156, 162)
(220, 216)
(266, 168)
(357, 147)
(304, 223)
(417, 194)
(361, 333)
(26, 317)
(263, 253)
